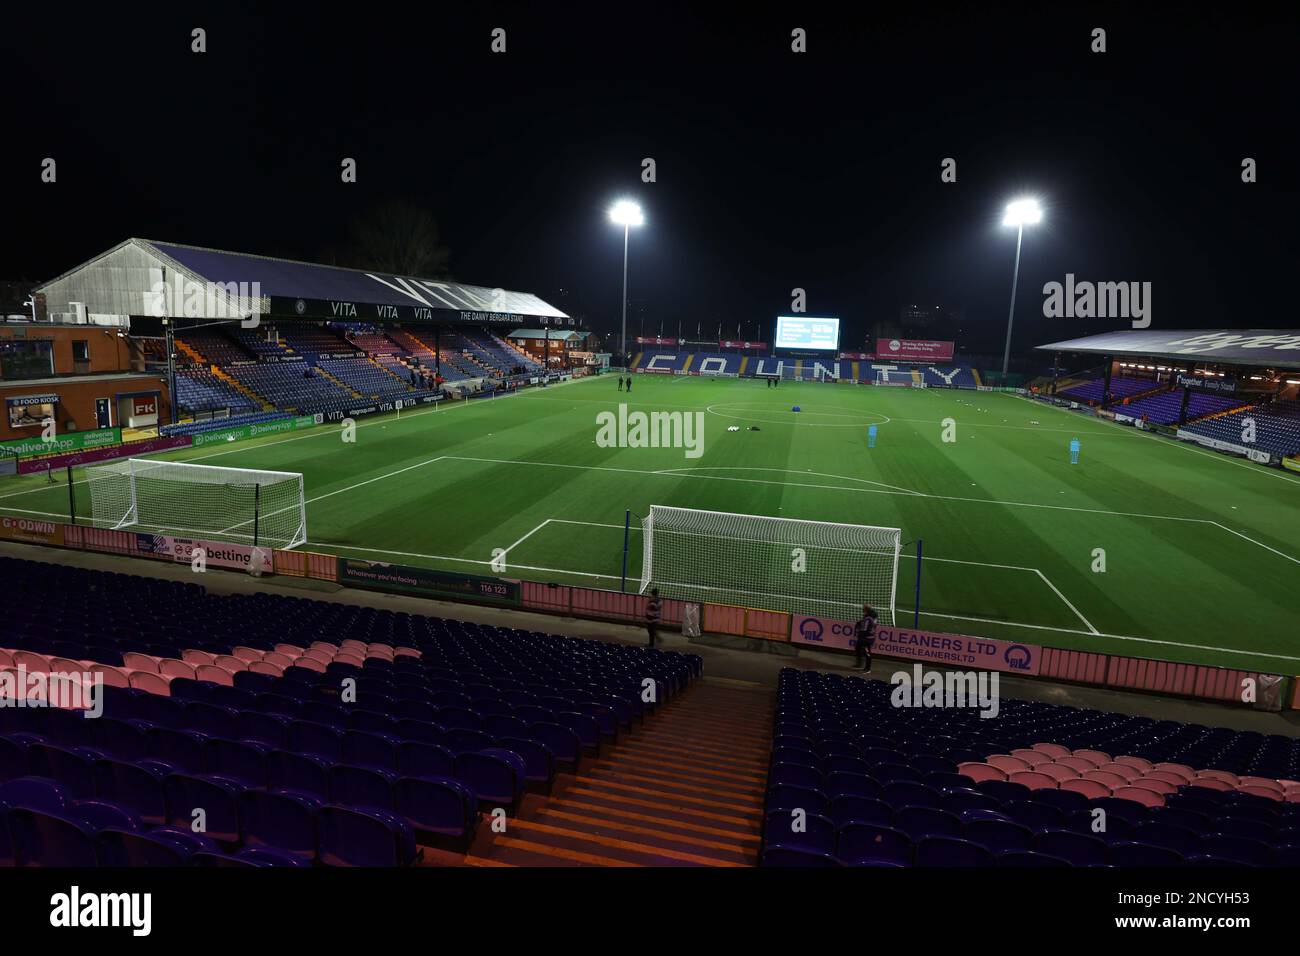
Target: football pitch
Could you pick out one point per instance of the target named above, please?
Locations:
(1201, 552)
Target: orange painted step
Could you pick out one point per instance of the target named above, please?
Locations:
(687, 755)
(669, 787)
(617, 806)
(685, 788)
(614, 846)
(723, 802)
(650, 827)
(738, 782)
(661, 806)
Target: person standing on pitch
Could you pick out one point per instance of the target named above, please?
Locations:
(653, 613)
(865, 631)
(1074, 451)
(629, 384)
(620, 383)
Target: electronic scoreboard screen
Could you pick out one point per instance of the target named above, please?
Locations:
(807, 332)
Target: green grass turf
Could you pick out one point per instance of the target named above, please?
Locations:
(1201, 549)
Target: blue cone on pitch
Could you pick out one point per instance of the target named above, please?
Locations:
(795, 409)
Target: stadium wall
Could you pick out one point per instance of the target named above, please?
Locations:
(1168, 678)
(74, 401)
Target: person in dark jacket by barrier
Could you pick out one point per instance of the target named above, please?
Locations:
(865, 630)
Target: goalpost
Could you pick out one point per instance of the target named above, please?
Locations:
(780, 564)
(244, 504)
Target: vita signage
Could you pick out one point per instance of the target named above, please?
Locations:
(340, 309)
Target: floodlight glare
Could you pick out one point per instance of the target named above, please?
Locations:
(626, 213)
(1023, 212)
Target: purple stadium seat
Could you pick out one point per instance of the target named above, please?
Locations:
(951, 851)
(859, 842)
(437, 805)
(48, 839)
(784, 856)
(351, 837)
(282, 821)
(817, 833)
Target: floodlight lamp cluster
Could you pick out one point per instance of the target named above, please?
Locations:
(1023, 212)
(626, 213)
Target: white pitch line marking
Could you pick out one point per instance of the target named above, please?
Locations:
(1057, 592)
(526, 537)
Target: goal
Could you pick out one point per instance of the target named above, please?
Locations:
(781, 564)
(239, 504)
(808, 372)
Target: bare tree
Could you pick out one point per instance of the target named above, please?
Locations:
(396, 237)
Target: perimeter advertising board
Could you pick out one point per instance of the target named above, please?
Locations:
(31, 532)
(241, 432)
(953, 650)
(914, 350)
(90, 456)
(218, 554)
(59, 444)
(427, 583)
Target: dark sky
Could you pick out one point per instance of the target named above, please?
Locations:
(775, 170)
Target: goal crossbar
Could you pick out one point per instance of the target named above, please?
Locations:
(799, 565)
(252, 505)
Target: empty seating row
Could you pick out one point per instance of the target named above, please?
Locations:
(940, 786)
(341, 750)
(1121, 386)
(362, 376)
(199, 390)
(1273, 428)
(1164, 408)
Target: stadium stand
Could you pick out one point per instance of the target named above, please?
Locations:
(660, 360)
(245, 718)
(291, 375)
(489, 352)
(512, 354)
(312, 341)
(199, 390)
(960, 376)
(291, 385)
(214, 347)
(715, 363)
(890, 786)
(731, 363)
(1121, 386)
(1277, 427)
(364, 377)
(255, 341)
(1163, 408)
(371, 340)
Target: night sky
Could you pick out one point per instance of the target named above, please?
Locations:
(775, 170)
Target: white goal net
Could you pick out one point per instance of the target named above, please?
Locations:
(237, 504)
(780, 564)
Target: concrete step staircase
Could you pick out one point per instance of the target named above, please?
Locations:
(685, 788)
(191, 353)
